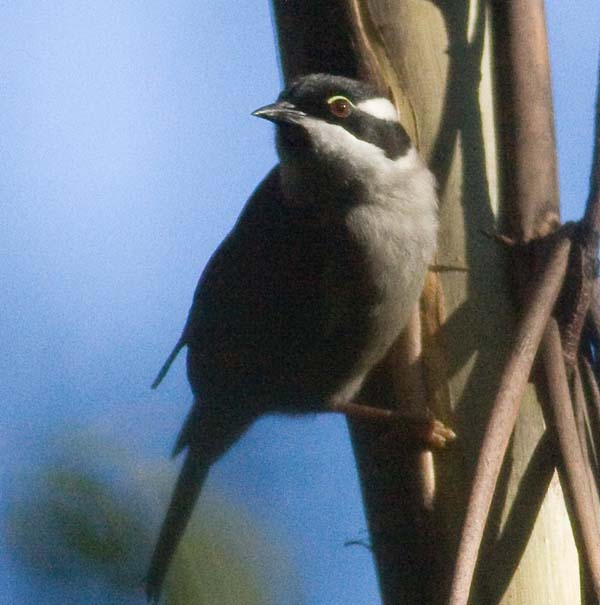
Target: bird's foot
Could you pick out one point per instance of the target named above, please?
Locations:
(434, 433)
(422, 428)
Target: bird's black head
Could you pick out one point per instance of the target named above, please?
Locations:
(317, 112)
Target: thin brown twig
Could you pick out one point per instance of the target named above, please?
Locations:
(584, 421)
(586, 254)
(593, 398)
(592, 211)
(504, 414)
(593, 317)
(595, 308)
(573, 468)
(588, 437)
(591, 401)
(592, 330)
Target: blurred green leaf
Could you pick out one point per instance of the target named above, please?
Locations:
(92, 511)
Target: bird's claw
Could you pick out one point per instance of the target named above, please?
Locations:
(438, 435)
(426, 430)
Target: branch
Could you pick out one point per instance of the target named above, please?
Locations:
(584, 418)
(592, 211)
(574, 478)
(526, 118)
(593, 397)
(587, 253)
(504, 414)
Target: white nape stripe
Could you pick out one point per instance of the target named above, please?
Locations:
(380, 107)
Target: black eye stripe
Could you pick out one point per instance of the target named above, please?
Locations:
(385, 134)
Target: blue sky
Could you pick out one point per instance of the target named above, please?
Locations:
(127, 151)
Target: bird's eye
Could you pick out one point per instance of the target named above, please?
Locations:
(339, 106)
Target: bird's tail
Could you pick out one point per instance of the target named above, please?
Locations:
(185, 494)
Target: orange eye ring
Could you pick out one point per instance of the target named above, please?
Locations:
(340, 106)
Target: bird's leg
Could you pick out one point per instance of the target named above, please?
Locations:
(423, 428)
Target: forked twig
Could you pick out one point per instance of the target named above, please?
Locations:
(504, 414)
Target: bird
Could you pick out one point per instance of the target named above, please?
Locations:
(316, 280)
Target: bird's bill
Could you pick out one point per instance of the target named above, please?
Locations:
(280, 112)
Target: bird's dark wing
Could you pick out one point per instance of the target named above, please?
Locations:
(277, 308)
(258, 304)
(219, 276)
